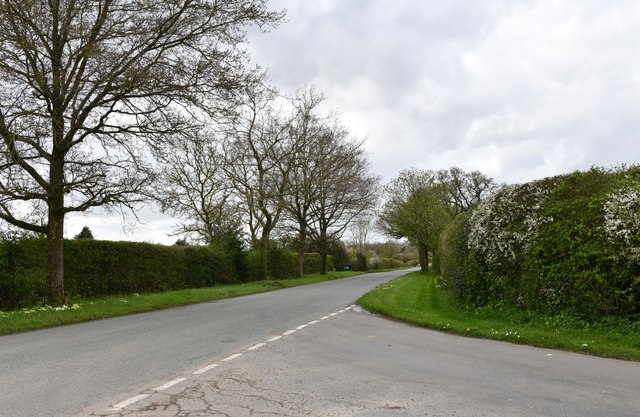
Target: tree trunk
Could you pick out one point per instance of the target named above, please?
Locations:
(55, 232)
(55, 256)
(301, 244)
(323, 261)
(263, 249)
(322, 250)
(423, 252)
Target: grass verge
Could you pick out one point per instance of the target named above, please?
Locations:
(80, 310)
(418, 299)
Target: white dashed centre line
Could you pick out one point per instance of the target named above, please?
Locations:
(205, 369)
(169, 384)
(232, 357)
(163, 387)
(256, 346)
(130, 401)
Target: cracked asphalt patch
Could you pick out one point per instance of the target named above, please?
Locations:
(356, 364)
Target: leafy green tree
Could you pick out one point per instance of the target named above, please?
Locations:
(421, 219)
(421, 202)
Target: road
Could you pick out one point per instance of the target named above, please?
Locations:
(358, 365)
(61, 371)
(305, 355)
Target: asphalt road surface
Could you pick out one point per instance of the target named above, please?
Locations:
(61, 371)
(356, 364)
(304, 352)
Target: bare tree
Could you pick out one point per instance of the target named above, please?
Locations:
(361, 230)
(81, 80)
(307, 126)
(195, 188)
(260, 153)
(465, 189)
(345, 188)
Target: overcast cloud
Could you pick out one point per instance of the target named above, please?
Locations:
(519, 90)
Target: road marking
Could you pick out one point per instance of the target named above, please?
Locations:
(256, 346)
(232, 357)
(130, 401)
(205, 369)
(169, 384)
(126, 403)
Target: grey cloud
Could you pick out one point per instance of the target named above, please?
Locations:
(516, 89)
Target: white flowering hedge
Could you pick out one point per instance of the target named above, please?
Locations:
(570, 242)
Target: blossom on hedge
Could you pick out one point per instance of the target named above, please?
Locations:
(502, 225)
(622, 222)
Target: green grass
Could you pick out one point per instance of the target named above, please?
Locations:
(418, 299)
(80, 310)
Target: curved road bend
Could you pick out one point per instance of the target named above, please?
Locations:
(359, 365)
(61, 371)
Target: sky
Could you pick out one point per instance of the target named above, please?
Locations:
(519, 90)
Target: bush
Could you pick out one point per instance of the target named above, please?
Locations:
(282, 263)
(95, 268)
(584, 260)
(567, 243)
(387, 263)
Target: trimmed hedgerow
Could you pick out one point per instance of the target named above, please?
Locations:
(567, 243)
(282, 263)
(96, 268)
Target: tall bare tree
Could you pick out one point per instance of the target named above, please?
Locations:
(307, 126)
(195, 188)
(260, 153)
(84, 83)
(345, 188)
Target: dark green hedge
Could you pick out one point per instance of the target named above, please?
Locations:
(96, 268)
(282, 264)
(568, 243)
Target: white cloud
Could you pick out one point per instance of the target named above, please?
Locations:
(517, 89)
